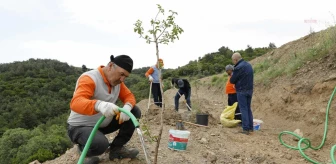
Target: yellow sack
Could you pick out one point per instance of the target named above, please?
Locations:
(227, 116)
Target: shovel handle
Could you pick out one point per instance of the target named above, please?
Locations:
(193, 124)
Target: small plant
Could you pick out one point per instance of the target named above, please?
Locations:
(196, 104)
(146, 131)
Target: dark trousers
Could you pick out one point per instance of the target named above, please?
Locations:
(244, 102)
(80, 134)
(156, 91)
(186, 95)
(232, 98)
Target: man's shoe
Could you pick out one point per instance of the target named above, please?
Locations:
(251, 131)
(122, 152)
(91, 160)
(244, 132)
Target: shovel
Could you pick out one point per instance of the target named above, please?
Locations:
(150, 92)
(180, 126)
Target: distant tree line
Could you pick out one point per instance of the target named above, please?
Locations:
(215, 62)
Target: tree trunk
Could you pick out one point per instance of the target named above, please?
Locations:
(163, 104)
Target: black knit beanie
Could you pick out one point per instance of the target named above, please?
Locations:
(123, 61)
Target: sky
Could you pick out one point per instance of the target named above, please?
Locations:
(87, 32)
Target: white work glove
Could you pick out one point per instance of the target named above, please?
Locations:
(124, 117)
(150, 78)
(106, 108)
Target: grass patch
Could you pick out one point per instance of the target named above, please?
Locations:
(219, 81)
(214, 79)
(262, 66)
(269, 69)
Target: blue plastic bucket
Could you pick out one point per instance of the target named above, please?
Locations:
(256, 126)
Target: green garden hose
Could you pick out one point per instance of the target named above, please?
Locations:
(307, 141)
(93, 133)
(332, 152)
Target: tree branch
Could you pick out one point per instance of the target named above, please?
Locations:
(162, 32)
(155, 20)
(141, 36)
(163, 29)
(157, 15)
(161, 42)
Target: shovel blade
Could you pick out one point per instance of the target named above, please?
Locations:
(179, 126)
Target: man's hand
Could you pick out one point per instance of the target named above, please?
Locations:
(124, 117)
(150, 78)
(107, 109)
(184, 101)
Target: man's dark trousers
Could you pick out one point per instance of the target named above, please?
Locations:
(232, 98)
(80, 134)
(244, 102)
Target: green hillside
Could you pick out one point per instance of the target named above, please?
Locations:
(34, 98)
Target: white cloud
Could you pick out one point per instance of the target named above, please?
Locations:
(22, 6)
(33, 9)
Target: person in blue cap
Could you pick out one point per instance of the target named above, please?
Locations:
(184, 89)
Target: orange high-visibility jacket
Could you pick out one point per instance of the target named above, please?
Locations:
(230, 88)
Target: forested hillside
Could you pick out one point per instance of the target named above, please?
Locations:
(34, 91)
(34, 98)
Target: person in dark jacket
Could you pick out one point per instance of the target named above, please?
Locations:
(184, 89)
(242, 77)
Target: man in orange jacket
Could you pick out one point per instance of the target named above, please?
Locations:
(95, 95)
(231, 91)
(153, 76)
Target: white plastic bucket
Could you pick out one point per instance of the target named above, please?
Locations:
(178, 139)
